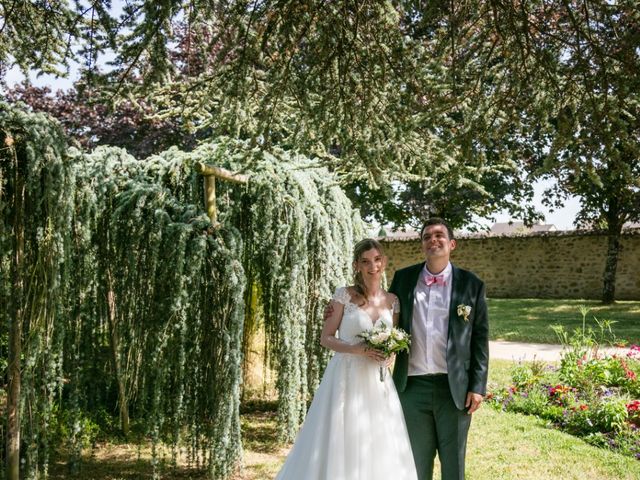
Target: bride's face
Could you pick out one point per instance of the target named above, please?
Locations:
(371, 264)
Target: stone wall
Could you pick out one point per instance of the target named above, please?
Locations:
(538, 265)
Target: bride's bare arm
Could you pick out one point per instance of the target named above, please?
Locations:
(328, 339)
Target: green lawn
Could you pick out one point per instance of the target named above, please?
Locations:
(512, 446)
(529, 320)
(503, 446)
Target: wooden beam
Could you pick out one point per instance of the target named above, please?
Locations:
(210, 173)
(221, 173)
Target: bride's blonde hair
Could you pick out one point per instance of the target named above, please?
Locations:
(361, 247)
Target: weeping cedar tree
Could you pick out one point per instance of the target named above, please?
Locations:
(92, 235)
(126, 295)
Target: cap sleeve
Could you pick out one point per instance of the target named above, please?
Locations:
(341, 296)
(396, 305)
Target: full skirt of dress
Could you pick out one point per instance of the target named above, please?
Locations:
(354, 429)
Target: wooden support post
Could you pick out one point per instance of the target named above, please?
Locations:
(16, 316)
(210, 173)
(210, 198)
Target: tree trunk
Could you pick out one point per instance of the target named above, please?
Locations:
(115, 348)
(611, 264)
(15, 331)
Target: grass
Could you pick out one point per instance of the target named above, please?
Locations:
(503, 446)
(529, 320)
(512, 446)
(506, 446)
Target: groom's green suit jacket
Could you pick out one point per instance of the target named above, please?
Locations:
(468, 342)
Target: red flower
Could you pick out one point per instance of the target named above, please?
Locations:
(633, 407)
(634, 351)
(630, 374)
(559, 390)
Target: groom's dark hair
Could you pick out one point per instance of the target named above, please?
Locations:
(437, 221)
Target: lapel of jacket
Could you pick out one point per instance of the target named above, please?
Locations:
(409, 293)
(457, 290)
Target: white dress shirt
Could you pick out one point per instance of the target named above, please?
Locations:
(430, 324)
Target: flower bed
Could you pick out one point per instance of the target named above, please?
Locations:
(590, 395)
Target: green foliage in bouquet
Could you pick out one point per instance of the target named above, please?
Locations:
(388, 340)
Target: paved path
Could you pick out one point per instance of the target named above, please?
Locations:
(539, 351)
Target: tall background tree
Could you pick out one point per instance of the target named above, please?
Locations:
(584, 109)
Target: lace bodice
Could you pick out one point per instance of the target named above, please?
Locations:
(356, 320)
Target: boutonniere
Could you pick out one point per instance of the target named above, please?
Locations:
(464, 311)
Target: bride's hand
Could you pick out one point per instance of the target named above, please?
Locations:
(389, 360)
(372, 353)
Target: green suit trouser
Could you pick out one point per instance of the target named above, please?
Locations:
(435, 425)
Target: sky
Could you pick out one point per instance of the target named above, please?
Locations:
(562, 218)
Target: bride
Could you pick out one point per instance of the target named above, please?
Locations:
(354, 429)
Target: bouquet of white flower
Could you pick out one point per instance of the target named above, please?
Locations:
(387, 340)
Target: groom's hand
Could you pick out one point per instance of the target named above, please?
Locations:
(473, 402)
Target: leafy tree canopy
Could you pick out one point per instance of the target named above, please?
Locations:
(412, 91)
(456, 97)
(583, 113)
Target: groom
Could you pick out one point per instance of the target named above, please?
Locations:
(443, 379)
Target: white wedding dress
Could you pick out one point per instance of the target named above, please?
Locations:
(355, 428)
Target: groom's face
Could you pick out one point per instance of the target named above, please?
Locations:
(436, 242)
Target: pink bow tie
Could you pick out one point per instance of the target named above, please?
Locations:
(434, 279)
